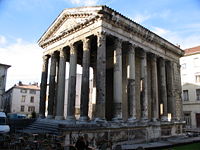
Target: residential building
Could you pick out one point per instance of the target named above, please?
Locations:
(3, 76)
(190, 76)
(22, 98)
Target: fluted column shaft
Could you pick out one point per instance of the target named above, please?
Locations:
(101, 77)
(154, 88)
(131, 84)
(56, 86)
(143, 84)
(170, 96)
(117, 90)
(51, 97)
(163, 89)
(43, 86)
(61, 86)
(71, 99)
(85, 80)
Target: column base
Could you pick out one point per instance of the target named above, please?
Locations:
(49, 116)
(164, 118)
(100, 120)
(70, 118)
(41, 116)
(132, 120)
(84, 118)
(154, 120)
(117, 119)
(59, 118)
(144, 120)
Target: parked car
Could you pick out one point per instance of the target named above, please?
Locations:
(16, 116)
(4, 128)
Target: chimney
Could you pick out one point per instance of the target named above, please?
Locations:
(20, 83)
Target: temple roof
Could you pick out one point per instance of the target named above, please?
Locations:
(7, 66)
(71, 20)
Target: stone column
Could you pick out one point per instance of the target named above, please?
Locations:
(163, 89)
(61, 86)
(143, 88)
(117, 82)
(85, 81)
(71, 99)
(51, 97)
(94, 93)
(131, 85)
(101, 77)
(43, 86)
(154, 88)
(56, 85)
(170, 88)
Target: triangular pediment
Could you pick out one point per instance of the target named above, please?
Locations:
(69, 24)
(69, 19)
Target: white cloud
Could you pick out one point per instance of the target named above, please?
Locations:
(84, 2)
(160, 31)
(139, 18)
(178, 38)
(2, 40)
(25, 60)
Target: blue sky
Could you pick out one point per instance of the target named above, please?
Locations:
(22, 22)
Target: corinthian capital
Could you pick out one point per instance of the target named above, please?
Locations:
(86, 44)
(101, 37)
(62, 53)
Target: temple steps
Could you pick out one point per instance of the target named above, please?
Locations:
(42, 126)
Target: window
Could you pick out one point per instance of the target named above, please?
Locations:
(196, 62)
(183, 66)
(185, 95)
(23, 98)
(32, 91)
(1, 81)
(22, 108)
(31, 108)
(32, 99)
(23, 91)
(187, 119)
(197, 78)
(198, 94)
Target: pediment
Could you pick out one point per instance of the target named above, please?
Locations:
(69, 19)
(69, 24)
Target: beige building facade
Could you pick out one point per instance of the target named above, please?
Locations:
(190, 78)
(3, 76)
(22, 99)
(136, 73)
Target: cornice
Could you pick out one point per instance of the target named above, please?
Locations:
(45, 43)
(139, 31)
